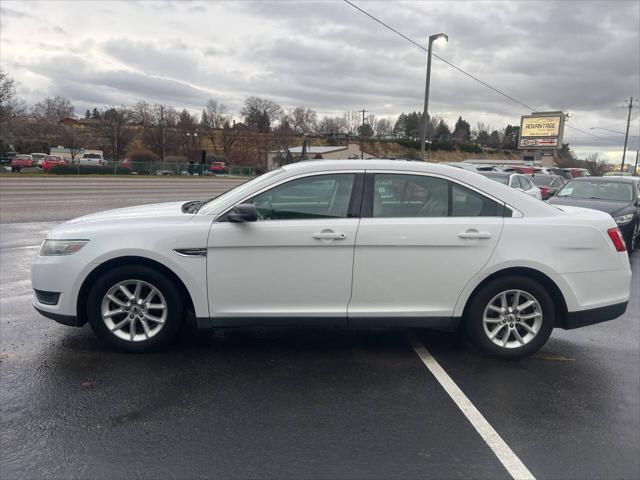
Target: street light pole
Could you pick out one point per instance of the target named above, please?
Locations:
(626, 135)
(425, 114)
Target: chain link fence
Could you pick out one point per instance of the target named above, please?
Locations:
(185, 169)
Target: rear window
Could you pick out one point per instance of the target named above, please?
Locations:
(91, 155)
(541, 180)
(504, 179)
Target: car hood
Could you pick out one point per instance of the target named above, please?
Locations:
(611, 208)
(155, 211)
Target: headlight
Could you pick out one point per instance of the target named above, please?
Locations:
(623, 218)
(61, 247)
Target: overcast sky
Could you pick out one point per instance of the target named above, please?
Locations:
(577, 56)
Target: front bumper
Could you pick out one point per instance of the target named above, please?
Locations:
(583, 318)
(68, 320)
(627, 230)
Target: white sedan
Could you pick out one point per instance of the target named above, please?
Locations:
(349, 242)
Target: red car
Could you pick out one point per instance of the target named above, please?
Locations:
(518, 169)
(21, 161)
(51, 161)
(218, 167)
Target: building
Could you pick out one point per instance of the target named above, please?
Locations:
(337, 152)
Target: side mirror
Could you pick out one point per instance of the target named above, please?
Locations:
(244, 212)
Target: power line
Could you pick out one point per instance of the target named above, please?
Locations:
(442, 59)
(515, 100)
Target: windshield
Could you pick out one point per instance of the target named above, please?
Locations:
(214, 202)
(611, 191)
(498, 178)
(91, 155)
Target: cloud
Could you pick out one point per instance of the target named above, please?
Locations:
(581, 57)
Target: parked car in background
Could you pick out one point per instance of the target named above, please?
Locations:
(517, 168)
(472, 166)
(91, 159)
(515, 180)
(436, 246)
(617, 196)
(21, 161)
(577, 172)
(560, 172)
(51, 161)
(548, 184)
(38, 158)
(219, 167)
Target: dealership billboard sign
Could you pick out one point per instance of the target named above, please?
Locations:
(541, 131)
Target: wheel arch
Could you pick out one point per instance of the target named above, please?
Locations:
(128, 260)
(551, 286)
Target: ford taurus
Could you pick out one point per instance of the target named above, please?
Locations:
(350, 242)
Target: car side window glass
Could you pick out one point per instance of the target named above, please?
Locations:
(514, 182)
(396, 195)
(320, 196)
(523, 183)
(467, 203)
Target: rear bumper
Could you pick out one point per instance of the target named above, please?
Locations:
(583, 318)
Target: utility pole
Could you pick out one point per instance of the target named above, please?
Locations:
(362, 130)
(635, 168)
(626, 135)
(162, 134)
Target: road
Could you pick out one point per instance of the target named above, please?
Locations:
(49, 199)
(295, 402)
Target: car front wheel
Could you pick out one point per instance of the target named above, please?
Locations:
(135, 309)
(510, 317)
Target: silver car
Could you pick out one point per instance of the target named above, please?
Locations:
(515, 180)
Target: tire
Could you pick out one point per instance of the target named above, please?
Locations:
(154, 288)
(539, 318)
(632, 240)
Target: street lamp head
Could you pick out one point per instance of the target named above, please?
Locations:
(439, 38)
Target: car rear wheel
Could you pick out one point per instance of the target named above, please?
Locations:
(510, 317)
(135, 309)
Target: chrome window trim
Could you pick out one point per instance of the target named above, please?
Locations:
(285, 180)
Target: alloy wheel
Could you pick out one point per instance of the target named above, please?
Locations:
(512, 318)
(134, 310)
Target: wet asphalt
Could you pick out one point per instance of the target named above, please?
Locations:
(290, 402)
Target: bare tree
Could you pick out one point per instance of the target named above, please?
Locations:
(142, 113)
(52, 110)
(301, 119)
(384, 128)
(352, 120)
(216, 114)
(597, 164)
(115, 125)
(10, 104)
(71, 138)
(260, 113)
(332, 126)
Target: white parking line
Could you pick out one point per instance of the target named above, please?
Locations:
(509, 460)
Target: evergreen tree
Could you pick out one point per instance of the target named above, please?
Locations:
(443, 134)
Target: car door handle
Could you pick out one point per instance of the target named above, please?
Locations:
(474, 234)
(329, 235)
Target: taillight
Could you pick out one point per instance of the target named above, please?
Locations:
(618, 240)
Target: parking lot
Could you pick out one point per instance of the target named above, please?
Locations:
(291, 402)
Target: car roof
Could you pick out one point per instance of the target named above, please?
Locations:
(611, 179)
(499, 174)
